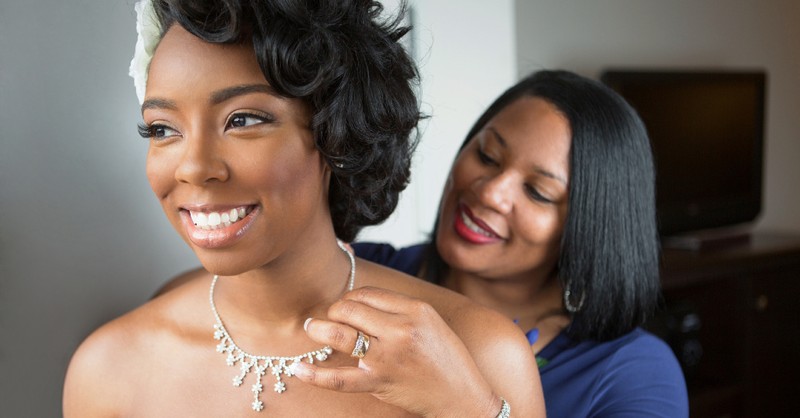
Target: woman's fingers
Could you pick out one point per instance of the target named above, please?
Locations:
(411, 350)
(382, 299)
(341, 379)
(379, 311)
(407, 323)
(340, 337)
(361, 316)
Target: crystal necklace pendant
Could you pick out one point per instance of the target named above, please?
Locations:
(277, 366)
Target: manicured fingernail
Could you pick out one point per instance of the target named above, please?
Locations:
(292, 368)
(300, 369)
(305, 324)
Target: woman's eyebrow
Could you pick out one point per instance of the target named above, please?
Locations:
(228, 93)
(157, 103)
(217, 97)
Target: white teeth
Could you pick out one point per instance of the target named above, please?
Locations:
(216, 220)
(474, 227)
(202, 220)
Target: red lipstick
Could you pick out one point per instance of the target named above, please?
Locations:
(472, 229)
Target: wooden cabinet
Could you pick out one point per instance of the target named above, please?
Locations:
(732, 316)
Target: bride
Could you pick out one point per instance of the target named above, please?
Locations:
(274, 128)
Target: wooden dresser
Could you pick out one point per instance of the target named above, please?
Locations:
(732, 316)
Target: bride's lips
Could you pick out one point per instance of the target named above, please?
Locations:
(473, 229)
(218, 226)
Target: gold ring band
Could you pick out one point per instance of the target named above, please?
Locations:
(362, 345)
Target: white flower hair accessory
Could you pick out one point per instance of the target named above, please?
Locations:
(149, 31)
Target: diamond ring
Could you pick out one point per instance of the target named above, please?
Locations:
(362, 345)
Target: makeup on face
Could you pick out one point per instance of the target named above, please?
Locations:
(505, 203)
(233, 164)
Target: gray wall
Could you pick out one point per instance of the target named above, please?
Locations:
(82, 239)
(587, 36)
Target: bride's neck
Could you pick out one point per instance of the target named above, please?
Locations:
(294, 286)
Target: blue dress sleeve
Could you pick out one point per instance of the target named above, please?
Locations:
(408, 259)
(635, 375)
(642, 379)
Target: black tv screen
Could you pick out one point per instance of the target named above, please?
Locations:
(706, 129)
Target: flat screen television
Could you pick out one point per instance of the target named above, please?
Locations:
(706, 130)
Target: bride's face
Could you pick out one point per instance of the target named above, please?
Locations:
(233, 164)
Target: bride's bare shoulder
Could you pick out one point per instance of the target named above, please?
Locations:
(468, 319)
(118, 352)
(497, 345)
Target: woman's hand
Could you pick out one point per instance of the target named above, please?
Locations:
(414, 361)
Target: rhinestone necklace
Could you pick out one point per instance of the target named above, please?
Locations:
(260, 365)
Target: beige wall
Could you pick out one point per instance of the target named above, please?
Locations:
(466, 57)
(587, 36)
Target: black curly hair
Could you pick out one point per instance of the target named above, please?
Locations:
(347, 63)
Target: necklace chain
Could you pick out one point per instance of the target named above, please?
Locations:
(278, 366)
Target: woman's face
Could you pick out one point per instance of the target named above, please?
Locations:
(233, 164)
(505, 201)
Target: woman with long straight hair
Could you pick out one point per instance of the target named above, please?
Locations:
(548, 216)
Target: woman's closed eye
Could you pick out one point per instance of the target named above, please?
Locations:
(485, 158)
(247, 119)
(156, 131)
(534, 194)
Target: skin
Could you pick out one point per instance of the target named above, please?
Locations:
(217, 146)
(511, 179)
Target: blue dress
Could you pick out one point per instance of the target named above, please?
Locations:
(635, 375)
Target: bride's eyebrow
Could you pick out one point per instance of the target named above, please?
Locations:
(157, 103)
(228, 93)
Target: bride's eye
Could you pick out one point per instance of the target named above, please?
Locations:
(242, 120)
(156, 131)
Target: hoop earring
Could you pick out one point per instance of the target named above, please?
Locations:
(568, 303)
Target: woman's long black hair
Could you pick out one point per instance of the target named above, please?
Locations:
(609, 248)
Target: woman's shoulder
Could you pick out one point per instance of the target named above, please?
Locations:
(475, 324)
(643, 373)
(106, 355)
(132, 330)
(640, 346)
(118, 351)
(491, 338)
(634, 372)
(458, 310)
(636, 353)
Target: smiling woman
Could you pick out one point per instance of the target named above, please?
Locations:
(274, 129)
(509, 187)
(225, 130)
(548, 216)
